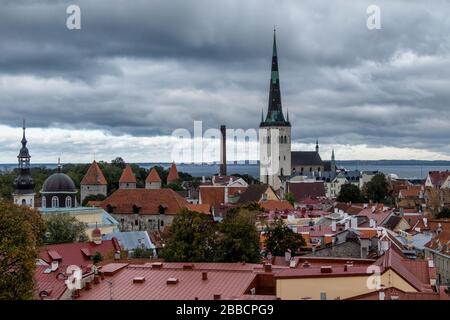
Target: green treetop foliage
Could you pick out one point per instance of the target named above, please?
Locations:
(63, 228)
(280, 239)
(238, 238)
(192, 238)
(377, 189)
(21, 233)
(93, 197)
(350, 193)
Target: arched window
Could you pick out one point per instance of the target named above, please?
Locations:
(268, 140)
(44, 203)
(55, 202)
(285, 139)
(24, 202)
(68, 202)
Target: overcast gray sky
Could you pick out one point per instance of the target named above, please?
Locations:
(137, 70)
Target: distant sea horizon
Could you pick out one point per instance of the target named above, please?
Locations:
(404, 169)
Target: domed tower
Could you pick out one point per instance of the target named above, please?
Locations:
(274, 133)
(59, 191)
(24, 184)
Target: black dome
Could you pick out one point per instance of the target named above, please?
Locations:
(59, 182)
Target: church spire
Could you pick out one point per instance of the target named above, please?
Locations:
(317, 145)
(332, 154)
(275, 113)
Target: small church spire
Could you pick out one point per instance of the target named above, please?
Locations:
(332, 154)
(317, 145)
(287, 115)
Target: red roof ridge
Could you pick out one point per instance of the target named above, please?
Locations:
(173, 174)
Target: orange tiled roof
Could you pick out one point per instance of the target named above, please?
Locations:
(147, 201)
(215, 195)
(153, 176)
(202, 208)
(127, 175)
(173, 174)
(276, 205)
(94, 176)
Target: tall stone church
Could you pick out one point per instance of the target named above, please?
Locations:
(277, 162)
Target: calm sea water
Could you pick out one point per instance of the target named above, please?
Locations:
(417, 170)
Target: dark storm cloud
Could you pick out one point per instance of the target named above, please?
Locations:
(148, 67)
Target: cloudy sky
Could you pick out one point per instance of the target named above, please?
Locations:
(138, 70)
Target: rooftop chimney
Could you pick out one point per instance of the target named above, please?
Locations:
(172, 281)
(216, 297)
(204, 276)
(267, 267)
(223, 151)
(138, 279)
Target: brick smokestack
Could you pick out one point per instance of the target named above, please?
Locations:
(223, 151)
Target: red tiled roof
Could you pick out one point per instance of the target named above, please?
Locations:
(378, 215)
(127, 175)
(229, 280)
(302, 190)
(148, 201)
(202, 208)
(153, 176)
(94, 176)
(438, 177)
(276, 205)
(215, 195)
(411, 192)
(93, 203)
(173, 174)
(440, 243)
(75, 253)
(48, 284)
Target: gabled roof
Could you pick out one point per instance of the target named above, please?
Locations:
(173, 174)
(440, 243)
(147, 201)
(94, 176)
(438, 177)
(153, 176)
(304, 158)
(254, 192)
(215, 195)
(127, 175)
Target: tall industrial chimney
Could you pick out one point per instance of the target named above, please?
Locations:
(223, 151)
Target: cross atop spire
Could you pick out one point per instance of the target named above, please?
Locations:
(275, 115)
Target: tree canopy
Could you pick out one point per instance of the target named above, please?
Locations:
(63, 228)
(195, 237)
(377, 188)
(443, 214)
(350, 193)
(280, 239)
(21, 233)
(192, 238)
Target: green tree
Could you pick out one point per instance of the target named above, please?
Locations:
(443, 214)
(377, 188)
(290, 197)
(193, 238)
(238, 238)
(63, 228)
(142, 253)
(350, 193)
(118, 162)
(21, 233)
(281, 239)
(175, 186)
(97, 257)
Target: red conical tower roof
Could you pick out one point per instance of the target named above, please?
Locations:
(153, 176)
(173, 174)
(94, 175)
(127, 175)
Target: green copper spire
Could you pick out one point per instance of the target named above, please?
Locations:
(275, 115)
